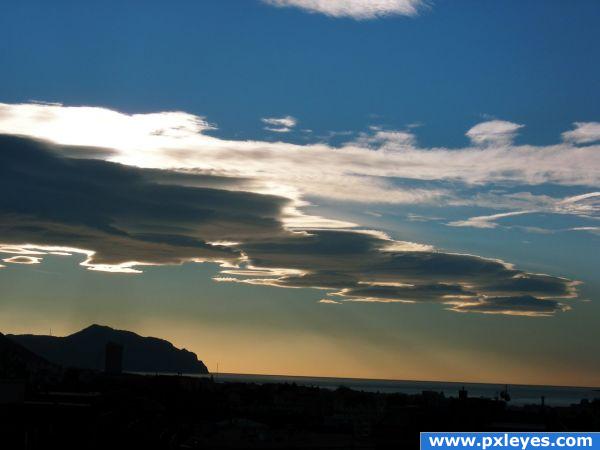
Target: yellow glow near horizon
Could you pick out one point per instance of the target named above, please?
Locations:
(251, 351)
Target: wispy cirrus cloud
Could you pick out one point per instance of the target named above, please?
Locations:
(594, 230)
(486, 221)
(355, 9)
(585, 206)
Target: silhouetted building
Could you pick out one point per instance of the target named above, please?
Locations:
(113, 363)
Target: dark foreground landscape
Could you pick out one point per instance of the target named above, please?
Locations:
(45, 405)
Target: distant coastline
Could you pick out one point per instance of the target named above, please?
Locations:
(521, 393)
(392, 380)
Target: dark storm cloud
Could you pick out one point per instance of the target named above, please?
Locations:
(126, 214)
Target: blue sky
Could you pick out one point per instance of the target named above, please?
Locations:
(462, 127)
(234, 62)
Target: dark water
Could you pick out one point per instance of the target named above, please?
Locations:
(520, 394)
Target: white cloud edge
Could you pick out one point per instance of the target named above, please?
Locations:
(583, 133)
(280, 124)
(355, 9)
(494, 132)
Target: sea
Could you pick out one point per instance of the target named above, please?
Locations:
(520, 394)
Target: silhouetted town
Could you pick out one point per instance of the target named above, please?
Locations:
(45, 405)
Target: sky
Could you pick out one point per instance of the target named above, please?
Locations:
(397, 189)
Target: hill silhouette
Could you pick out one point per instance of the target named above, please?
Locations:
(17, 361)
(86, 349)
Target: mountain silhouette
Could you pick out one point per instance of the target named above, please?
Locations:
(18, 362)
(86, 349)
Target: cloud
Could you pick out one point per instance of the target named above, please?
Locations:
(280, 124)
(100, 127)
(22, 260)
(122, 214)
(593, 230)
(383, 138)
(120, 218)
(494, 132)
(486, 221)
(406, 293)
(584, 205)
(370, 267)
(420, 218)
(356, 9)
(589, 201)
(524, 305)
(362, 171)
(379, 167)
(328, 301)
(584, 133)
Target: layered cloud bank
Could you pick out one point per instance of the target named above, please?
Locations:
(122, 218)
(362, 170)
(124, 191)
